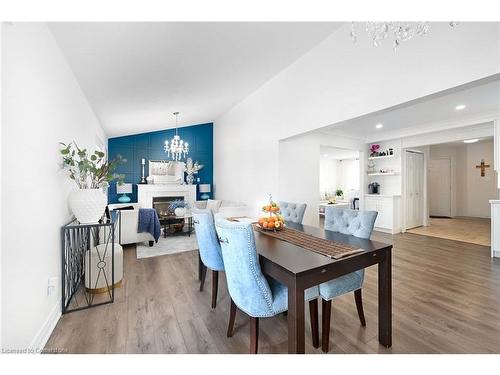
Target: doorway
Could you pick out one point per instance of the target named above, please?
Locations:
(339, 179)
(460, 183)
(414, 189)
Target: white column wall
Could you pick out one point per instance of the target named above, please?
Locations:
(42, 105)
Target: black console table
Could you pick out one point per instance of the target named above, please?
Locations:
(83, 244)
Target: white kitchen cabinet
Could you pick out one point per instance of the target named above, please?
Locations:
(388, 207)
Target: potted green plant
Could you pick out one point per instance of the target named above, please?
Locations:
(339, 193)
(92, 173)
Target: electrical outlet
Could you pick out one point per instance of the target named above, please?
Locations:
(52, 285)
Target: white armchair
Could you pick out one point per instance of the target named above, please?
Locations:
(126, 228)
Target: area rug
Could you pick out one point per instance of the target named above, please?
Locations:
(166, 246)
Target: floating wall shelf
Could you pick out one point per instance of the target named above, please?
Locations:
(383, 174)
(380, 157)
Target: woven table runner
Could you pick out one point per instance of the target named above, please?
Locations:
(331, 249)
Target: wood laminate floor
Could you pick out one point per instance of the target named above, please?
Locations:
(466, 229)
(446, 299)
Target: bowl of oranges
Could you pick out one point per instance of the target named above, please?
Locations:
(273, 221)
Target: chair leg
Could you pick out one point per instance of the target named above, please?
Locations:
(326, 310)
(359, 306)
(313, 313)
(215, 286)
(232, 316)
(203, 276)
(200, 266)
(254, 335)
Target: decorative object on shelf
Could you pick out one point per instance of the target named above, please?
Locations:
(178, 207)
(339, 193)
(332, 199)
(177, 147)
(143, 178)
(191, 170)
(124, 189)
(483, 167)
(400, 31)
(92, 174)
(374, 150)
(274, 221)
(205, 189)
(374, 188)
(371, 166)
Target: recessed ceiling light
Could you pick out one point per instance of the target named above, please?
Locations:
(379, 126)
(460, 107)
(471, 140)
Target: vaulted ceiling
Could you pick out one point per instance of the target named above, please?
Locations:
(135, 75)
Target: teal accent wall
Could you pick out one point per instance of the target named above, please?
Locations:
(150, 146)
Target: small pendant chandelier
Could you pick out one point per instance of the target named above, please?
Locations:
(177, 147)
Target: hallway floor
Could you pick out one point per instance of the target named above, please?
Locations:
(465, 229)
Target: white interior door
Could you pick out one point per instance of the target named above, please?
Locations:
(440, 187)
(414, 178)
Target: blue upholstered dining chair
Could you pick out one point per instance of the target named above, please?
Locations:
(209, 248)
(250, 291)
(359, 224)
(293, 212)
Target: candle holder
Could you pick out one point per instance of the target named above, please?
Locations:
(143, 178)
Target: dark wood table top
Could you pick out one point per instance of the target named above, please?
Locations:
(297, 260)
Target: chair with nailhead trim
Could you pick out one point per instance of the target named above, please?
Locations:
(250, 291)
(293, 212)
(359, 224)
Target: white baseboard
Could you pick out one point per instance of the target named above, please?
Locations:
(45, 331)
(385, 230)
(496, 254)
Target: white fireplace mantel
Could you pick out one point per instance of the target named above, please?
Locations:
(145, 193)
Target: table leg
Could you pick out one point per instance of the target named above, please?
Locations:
(385, 300)
(296, 321)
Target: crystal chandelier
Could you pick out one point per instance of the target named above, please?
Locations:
(399, 31)
(177, 147)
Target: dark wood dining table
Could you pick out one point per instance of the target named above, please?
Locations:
(299, 269)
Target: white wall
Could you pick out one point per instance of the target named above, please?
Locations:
(479, 189)
(42, 105)
(335, 81)
(328, 179)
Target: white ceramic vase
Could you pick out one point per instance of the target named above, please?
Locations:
(87, 205)
(180, 211)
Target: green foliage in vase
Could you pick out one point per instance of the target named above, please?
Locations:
(339, 193)
(90, 170)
